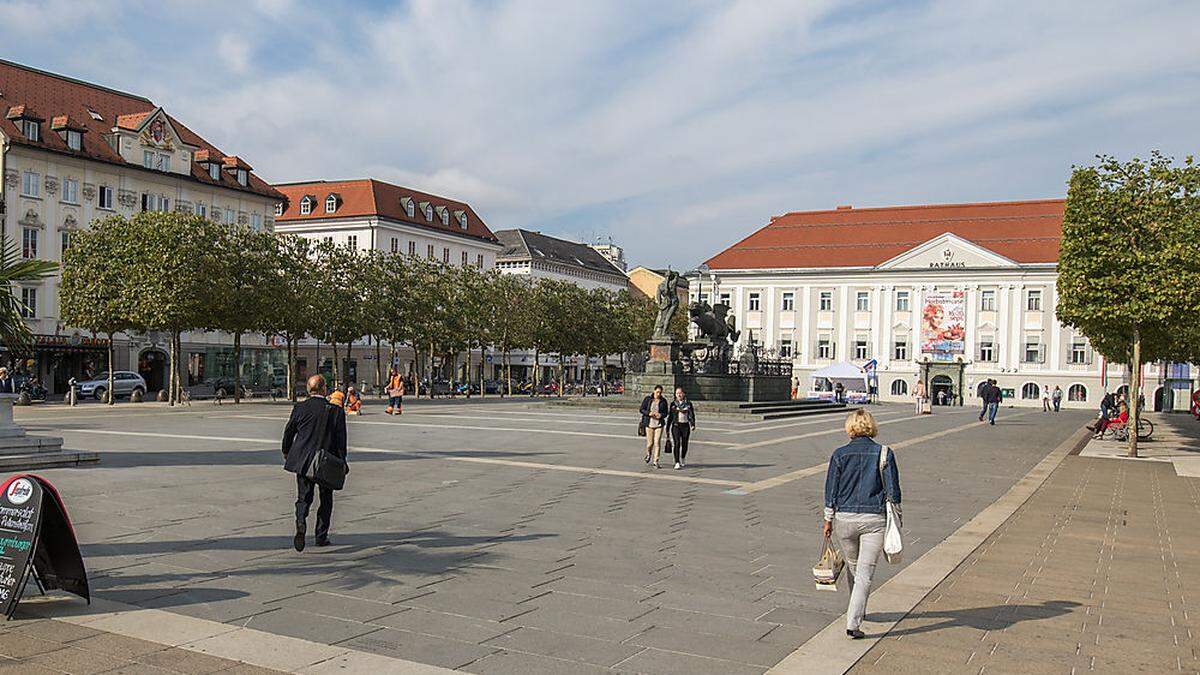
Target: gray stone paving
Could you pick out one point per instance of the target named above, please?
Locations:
(445, 555)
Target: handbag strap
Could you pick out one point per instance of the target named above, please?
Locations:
(883, 451)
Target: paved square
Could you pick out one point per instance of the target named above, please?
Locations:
(510, 536)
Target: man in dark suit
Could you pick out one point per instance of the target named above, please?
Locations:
(300, 446)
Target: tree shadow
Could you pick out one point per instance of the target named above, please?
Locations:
(996, 617)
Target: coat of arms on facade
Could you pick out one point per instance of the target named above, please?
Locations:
(155, 134)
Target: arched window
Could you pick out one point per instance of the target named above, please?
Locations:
(899, 388)
(1077, 392)
(1030, 391)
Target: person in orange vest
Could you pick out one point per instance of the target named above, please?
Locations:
(395, 393)
(353, 401)
(338, 398)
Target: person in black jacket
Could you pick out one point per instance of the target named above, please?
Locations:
(300, 446)
(682, 416)
(6, 382)
(654, 418)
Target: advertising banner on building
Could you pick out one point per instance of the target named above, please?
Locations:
(943, 324)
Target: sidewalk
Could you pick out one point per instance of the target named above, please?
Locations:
(34, 646)
(1093, 573)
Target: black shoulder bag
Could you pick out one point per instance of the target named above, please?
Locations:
(325, 468)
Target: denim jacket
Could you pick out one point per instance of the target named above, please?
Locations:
(852, 483)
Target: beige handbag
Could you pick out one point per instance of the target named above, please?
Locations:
(829, 567)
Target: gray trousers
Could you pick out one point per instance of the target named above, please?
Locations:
(859, 536)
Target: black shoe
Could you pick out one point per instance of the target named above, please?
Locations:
(993, 422)
(322, 541)
(298, 540)
(855, 634)
(647, 459)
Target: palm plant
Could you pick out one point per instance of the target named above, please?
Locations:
(14, 270)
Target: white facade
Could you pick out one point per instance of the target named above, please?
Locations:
(367, 233)
(817, 317)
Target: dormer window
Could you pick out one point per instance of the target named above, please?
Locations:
(306, 205)
(74, 139)
(331, 204)
(214, 171)
(32, 130)
(410, 207)
(243, 177)
(462, 218)
(427, 211)
(445, 214)
(278, 209)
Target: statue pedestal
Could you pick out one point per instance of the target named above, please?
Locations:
(20, 452)
(663, 369)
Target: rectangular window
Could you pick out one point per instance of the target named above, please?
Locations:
(147, 159)
(201, 210)
(278, 209)
(900, 350)
(214, 172)
(104, 197)
(825, 301)
(305, 207)
(987, 301)
(1079, 352)
(32, 130)
(74, 140)
(162, 162)
(824, 347)
(1033, 352)
(987, 351)
(862, 301)
(29, 243)
(446, 255)
(861, 351)
(70, 191)
(785, 348)
(30, 183)
(229, 216)
(243, 178)
(395, 245)
(479, 261)
(789, 301)
(429, 251)
(755, 301)
(352, 241)
(412, 248)
(29, 303)
(726, 299)
(901, 301)
(66, 240)
(1033, 301)
(464, 258)
(256, 221)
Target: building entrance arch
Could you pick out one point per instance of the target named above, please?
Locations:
(941, 387)
(152, 366)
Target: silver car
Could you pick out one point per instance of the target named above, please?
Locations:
(124, 384)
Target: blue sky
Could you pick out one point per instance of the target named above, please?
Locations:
(674, 127)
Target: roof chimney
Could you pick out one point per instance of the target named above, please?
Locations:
(844, 207)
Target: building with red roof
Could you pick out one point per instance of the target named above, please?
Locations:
(948, 295)
(72, 152)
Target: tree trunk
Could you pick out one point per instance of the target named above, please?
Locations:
(237, 367)
(587, 374)
(432, 351)
(170, 372)
(337, 365)
(604, 375)
(537, 374)
(291, 368)
(560, 376)
(1135, 382)
(507, 372)
(378, 367)
(112, 352)
(469, 379)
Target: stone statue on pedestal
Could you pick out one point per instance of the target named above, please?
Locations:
(668, 303)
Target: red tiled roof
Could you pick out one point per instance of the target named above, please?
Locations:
(61, 122)
(1023, 231)
(370, 197)
(26, 89)
(19, 112)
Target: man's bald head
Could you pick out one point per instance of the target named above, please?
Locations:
(316, 385)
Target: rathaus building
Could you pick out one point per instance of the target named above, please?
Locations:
(949, 294)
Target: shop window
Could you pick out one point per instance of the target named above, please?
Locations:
(1030, 391)
(1077, 393)
(899, 388)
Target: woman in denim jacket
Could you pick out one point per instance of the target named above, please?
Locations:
(855, 509)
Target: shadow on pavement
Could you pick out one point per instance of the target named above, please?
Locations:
(121, 459)
(996, 617)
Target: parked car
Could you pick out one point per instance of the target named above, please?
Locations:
(124, 384)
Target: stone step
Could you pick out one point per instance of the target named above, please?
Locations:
(20, 445)
(46, 460)
(807, 412)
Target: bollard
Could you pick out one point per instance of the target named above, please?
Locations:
(136, 396)
(162, 395)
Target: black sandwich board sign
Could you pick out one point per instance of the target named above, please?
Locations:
(36, 535)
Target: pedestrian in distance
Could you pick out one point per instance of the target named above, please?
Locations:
(395, 392)
(1046, 398)
(919, 395)
(856, 494)
(682, 415)
(353, 401)
(654, 416)
(995, 396)
(984, 390)
(1056, 398)
(314, 425)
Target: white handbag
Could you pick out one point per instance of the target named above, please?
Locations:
(893, 544)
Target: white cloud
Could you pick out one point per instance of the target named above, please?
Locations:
(675, 126)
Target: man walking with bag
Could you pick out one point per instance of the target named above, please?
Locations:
(314, 448)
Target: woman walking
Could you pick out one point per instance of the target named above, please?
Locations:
(654, 416)
(395, 393)
(919, 394)
(855, 508)
(682, 415)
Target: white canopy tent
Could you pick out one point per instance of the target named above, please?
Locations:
(852, 377)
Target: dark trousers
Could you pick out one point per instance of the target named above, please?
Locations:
(679, 437)
(304, 499)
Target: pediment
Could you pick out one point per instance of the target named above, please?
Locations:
(947, 251)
